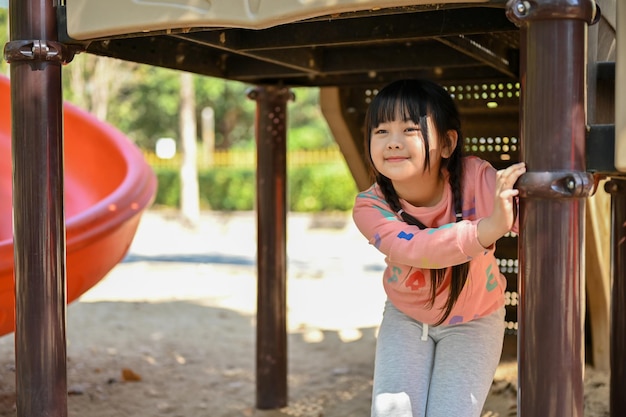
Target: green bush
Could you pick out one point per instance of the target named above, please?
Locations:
(227, 189)
(168, 189)
(327, 187)
(321, 188)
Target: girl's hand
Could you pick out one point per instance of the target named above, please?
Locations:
(492, 228)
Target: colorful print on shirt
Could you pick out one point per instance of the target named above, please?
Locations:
(416, 281)
(492, 280)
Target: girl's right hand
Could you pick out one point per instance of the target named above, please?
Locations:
(501, 220)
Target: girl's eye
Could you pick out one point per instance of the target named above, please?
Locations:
(379, 131)
(413, 129)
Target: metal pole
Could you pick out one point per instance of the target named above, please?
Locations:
(271, 135)
(38, 211)
(617, 189)
(620, 86)
(551, 286)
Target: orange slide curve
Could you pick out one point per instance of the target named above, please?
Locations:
(108, 185)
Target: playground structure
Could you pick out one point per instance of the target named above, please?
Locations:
(102, 211)
(535, 80)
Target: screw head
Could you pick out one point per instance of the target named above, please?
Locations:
(523, 7)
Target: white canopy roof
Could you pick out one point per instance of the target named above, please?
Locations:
(91, 19)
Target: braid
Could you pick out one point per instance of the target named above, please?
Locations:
(391, 196)
(459, 272)
(389, 192)
(455, 178)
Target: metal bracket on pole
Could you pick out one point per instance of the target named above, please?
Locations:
(558, 184)
(520, 11)
(38, 51)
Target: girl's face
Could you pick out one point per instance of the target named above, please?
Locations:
(398, 151)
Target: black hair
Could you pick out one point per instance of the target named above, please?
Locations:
(415, 99)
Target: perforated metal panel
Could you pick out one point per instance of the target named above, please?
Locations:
(490, 121)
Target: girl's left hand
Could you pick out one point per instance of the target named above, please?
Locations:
(492, 228)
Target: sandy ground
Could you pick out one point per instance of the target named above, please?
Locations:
(170, 331)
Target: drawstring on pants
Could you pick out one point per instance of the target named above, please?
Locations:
(424, 332)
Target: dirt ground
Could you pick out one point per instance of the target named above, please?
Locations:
(170, 331)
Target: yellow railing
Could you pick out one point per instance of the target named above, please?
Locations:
(247, 158)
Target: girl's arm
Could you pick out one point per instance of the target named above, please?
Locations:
(450, 244)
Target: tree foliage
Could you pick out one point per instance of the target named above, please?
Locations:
(4, 36)
(143, 102)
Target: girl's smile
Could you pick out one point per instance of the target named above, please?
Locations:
(396, 158)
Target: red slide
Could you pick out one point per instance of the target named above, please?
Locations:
(108, 185)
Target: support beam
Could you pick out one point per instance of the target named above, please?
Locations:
(552, 209)
(600, 149)
(38, 210)
(271, 137)
(617, 189)
(620, 87)
(350, 143)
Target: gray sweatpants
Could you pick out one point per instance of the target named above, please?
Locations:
(443, 371)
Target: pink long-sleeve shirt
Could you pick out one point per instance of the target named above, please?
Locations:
(410, 252)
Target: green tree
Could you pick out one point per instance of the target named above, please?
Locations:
(234, 112)
(147, 109)
(4, 36)
(93, 83)
(307, 127)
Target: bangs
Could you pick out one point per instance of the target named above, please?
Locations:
(403, 103)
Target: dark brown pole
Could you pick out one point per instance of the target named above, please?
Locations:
(551, 286)
(38, 217)
(271, 137)
(617, 189)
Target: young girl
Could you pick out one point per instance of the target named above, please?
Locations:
(436, 216)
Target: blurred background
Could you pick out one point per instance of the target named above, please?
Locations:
(153, 106)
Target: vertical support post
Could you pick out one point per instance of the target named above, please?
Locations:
(271, 137)
(617, 189)
(38, 210)
(600, 111)
(551, 286)
(620, 85)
